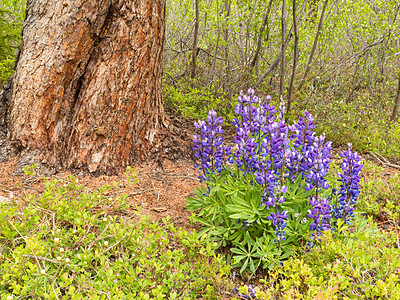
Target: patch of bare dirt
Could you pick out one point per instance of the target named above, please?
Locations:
(160, 189)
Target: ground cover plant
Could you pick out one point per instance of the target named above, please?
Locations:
(381, 194)
(363, 259)
(273, 194)
(64, 245)
(361, 263)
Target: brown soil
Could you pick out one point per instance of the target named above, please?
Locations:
(159, 189)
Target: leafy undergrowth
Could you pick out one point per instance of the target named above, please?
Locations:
(68, 244)
(358, 123)
(63, 245)
(381, 194)
(361, 264)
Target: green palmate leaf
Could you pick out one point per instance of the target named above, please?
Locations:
(248, 239)
(246, 262)
(236, 237)
(255, 198)
(240, 250)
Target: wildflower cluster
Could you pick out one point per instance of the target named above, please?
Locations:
(273, 173)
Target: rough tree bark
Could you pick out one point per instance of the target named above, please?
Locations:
(87, 91)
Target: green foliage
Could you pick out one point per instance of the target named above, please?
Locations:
(64, 245)
(357, 123)
(6, 69)
(363, 263)
(11, 20)
(355, 67)
(194, 103)
(381, 192)
(130, 175)
(30, 170)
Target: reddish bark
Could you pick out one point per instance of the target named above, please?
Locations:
(87, 91)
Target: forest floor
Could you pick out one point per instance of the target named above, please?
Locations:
(159, 189)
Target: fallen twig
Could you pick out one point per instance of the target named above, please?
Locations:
(387, 164)
(140, 192)
(98, 238)
(42, 258)
(112, 246)
(382, 157)
(376, 157)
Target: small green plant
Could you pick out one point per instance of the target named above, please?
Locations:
(30, 170)
(382, 192)
(11, 20)
(194, 103)
(362, 263)
(356, 122)
(130, 175)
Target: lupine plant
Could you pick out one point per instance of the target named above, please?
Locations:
(272, 194)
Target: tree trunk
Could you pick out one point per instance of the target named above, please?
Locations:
(260, 36)
(283, 51)
(396, 104)
(196, 33)
(87, 91)
(295, 59)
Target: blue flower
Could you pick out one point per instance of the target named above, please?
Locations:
(349, 189)
(208, 145)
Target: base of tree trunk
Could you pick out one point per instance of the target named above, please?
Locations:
(174, 147)
(173, 144)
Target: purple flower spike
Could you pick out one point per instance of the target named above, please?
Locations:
(320, 214)
(269, 157)
(208, 146)
(349, 189)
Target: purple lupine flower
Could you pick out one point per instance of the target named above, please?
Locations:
(247, 126)
(250, 289)
(274, 152)
(208, 145)
(317, 158)
(282, 110)
(320, 213)
(349, 189)
(277, 219)
(303, 137)
(274, 143)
